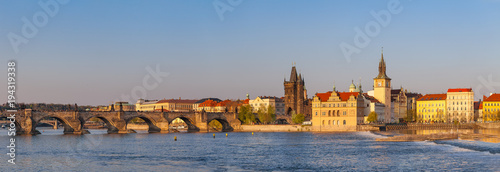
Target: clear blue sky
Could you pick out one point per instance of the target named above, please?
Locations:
(92, 52)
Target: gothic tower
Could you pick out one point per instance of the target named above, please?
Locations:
(382, 89)
(295, 93)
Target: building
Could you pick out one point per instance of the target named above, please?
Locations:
(403, 102)
(374, 106)
(382, 90)
(175, 105)
(460, 102)
(432, 108)
(491, 108)
(295, 94)
(264, 101)
(213, 106)
(145, 105)
(338, 110)
(196, 104)
(477, 110)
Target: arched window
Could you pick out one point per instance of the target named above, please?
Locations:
(323, 122)
(329, 113)
(344, 122)
(328, 122)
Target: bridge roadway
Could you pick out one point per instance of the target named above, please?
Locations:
(116, 121)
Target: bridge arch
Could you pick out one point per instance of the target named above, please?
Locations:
(109, 124)
(68, 129)
(226, 126)
(152, 124)
(189, 122)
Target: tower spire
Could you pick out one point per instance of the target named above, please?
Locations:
(382, 68)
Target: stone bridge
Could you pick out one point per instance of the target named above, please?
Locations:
(116, 121)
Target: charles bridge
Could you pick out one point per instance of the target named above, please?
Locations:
(116, 121)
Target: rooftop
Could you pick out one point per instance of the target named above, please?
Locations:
(493, 97)
(459, 90)
(430, 97)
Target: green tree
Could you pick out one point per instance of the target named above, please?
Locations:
(298, 118)
(266, 114)
(372, 117)
(411, 115)
(245, 114)
(215, 125)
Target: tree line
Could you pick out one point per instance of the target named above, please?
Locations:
(265, 114)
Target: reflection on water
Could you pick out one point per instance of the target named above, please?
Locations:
(350, 151)
(484, 135)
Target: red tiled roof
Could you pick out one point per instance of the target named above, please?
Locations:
(324, 96)
(460, 90)
(246, 101)
(432, 97)
(480, 105)
(371, 98)
(208, 103)
(476, 105)
(344, 96)
(223, 103)
(493, 97)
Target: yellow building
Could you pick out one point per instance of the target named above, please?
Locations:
(432, 108)
(491, 108)
(338, 110)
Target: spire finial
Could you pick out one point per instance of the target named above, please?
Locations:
(334, 85)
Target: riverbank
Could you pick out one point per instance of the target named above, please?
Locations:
(472, 135)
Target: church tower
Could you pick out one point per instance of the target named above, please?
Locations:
(295, 93)
(382, 89)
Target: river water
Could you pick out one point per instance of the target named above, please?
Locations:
(242, 151)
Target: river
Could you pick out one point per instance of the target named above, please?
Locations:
(242, 151)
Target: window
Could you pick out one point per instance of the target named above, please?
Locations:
(316, 113)
(328, 122)
(323, 113)
(344, 122)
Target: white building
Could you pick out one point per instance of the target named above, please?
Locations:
(460, 103)
(145, 105)
(275, 102)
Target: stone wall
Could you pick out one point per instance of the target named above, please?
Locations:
(274, 128)
(300, 128)
(495, 125)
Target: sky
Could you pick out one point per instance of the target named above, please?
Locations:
(96, 52)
